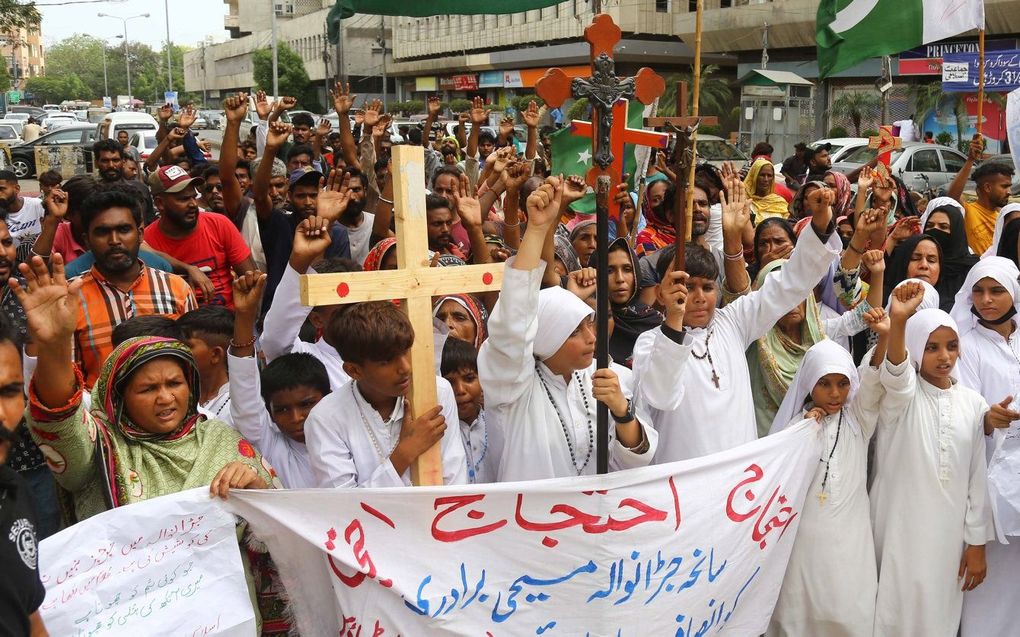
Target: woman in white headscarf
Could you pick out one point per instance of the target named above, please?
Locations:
(986, 310)
(1004, 239)
(538, 374)
(831, 581)
(929, 498)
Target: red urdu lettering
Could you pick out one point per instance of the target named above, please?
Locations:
(455, 503)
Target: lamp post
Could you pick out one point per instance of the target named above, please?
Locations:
(169, 66)
(106, 82)
(127, 61)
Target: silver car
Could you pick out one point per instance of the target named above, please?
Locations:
(918, 165)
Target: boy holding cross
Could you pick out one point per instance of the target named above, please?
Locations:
(692, 372)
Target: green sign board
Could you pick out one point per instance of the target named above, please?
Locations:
(13, 97)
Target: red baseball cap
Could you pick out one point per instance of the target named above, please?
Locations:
(172, 179)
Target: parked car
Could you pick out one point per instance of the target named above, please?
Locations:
(9, 135)
(18, 124)
(23, 156)
(213, 119)
(34, 111)
(21, 117)
(144, 142)
(918, 165)
(717, 151)
(58, 120)
(115, 122)
(840, 147)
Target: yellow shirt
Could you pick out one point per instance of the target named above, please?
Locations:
(980, 224)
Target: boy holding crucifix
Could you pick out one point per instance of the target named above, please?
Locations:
(692, 372)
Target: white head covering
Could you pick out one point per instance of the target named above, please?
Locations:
(824, 357)
(938, 202)
(919, 328)
(1000, 225)
(559, 314)
(931, 295)
(999, 268)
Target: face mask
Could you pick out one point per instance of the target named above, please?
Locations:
(943, 238)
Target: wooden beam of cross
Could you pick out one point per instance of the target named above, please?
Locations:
(683, 119)
(414, 282)
(885, 142)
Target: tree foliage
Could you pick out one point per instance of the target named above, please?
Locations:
(713, 99)
(857, 107)
(291, 75)
(15, 15)
(56, 88)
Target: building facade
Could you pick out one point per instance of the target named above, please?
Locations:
(23, 54)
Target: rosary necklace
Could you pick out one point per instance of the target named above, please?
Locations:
(371, 434)
(563, 423)
(708, 355)
(472, 465)
(822, 495)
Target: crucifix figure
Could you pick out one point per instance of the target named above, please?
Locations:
(414, 282)
(886, 143)
(608, 95)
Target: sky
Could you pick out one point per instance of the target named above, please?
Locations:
(190, 20)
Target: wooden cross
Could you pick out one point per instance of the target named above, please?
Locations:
(414, 282)
(683, 118)
(886, 143)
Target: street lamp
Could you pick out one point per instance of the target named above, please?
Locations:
(106, 83)
(127, 62)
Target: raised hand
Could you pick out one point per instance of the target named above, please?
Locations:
(906, 228)
(56, 203)
(672, 296)
(310, 242)
(322, 130)
(285, 103)
(977, 147)
(50, 302)
(865, 178)
(236, 107)
(343, 99)
(372, 112)
(874, 260)
(359, 117)
(468, 207)
(544, 203)
(574, 188)
(877, 320)
(506, 127)
(379, 130)
(582, 283)
(176, 134)
(502, 157)
(905, 300)
(262, 105)
(277, 134)
(186, 117)
(869, 222)
(479, 114)
(514, 175)
(820, 203)
(248, 289)
(166, 111)
(530, 115)
(434, 106)
(736, 205)
(462, 121)
(333, 201)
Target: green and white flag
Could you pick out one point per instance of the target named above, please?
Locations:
(421, 8)
(851, 31)
(571, 154)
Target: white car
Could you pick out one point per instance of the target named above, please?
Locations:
(57, 121)
(717, 151)
(144, 142)
(9, 135)
(19, 116)
(18, 124)
(920, 166)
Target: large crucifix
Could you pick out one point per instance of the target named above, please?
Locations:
(608, 95)
(884, 143)
(416, 284)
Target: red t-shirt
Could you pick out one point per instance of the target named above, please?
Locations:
(214, 247)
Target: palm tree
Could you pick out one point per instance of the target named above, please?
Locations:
(856, 106)
(714, 98)
(927, 99)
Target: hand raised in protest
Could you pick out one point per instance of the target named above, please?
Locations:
(277, 134)
(343, 99)
(514, 175)
(417, 436)
(262, 105)
(905, 300)
(530, 115)
(877, 320)
(333, 201)
(285, 103)
(869, 223)
(372, 112)
(248, 290)
(672, 296)
(543, 204)
(165, 112)
(434, 106)
(56, 203)
(865, 178)
(50, 302)
(235, 475)
(322, 130)
(736, 205)
(383, 125)
(977, 147)
(502, 157)
(582, 283)
(506, 127)
(479, 114)
(236, 107)
(820, 203)
(186, 117)
(574, 188)
(310, 242)
(468, 207)
(874, 260)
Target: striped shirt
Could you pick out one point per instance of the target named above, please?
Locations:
(104, 306)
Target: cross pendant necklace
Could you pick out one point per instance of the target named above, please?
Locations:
(708, 355)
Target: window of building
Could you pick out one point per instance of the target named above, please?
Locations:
(662, 6)
(692, 6)
(725, 4)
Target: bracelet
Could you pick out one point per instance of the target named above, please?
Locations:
(44, 257)
(852, 247)
(512, 225)
(386, 201)
(739, 256)
(243, 345)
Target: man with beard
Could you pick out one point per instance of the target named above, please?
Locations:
(207, 241)
(993, 181)
(818, 161)
(355, 219)
(444, 184)
(108, 157)
(24, 214)
(119, 286)
(439, 220)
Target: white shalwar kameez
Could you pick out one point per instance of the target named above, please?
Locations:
(288, 457)
(831, 580)
(990, 365)
(548, 424)
(283, 321)
(483, 447)
(929, 498)
(674, 382)
(349, 444)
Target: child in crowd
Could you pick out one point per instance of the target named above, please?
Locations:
(290, 386)
(480, 431)
(207, 331)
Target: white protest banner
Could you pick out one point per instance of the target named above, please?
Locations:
(682, 549)
(166, 566)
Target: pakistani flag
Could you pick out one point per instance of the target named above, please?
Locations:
(571, 154)
(421, 8)
(851, 31)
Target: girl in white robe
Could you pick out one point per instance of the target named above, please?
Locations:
(990, 365)
(929, 498)
(831, 580)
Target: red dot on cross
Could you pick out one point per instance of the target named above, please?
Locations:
(343, 290)
(487, 278)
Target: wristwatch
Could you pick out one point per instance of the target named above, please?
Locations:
(626, 417)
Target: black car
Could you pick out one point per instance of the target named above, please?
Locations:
(83, 135)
